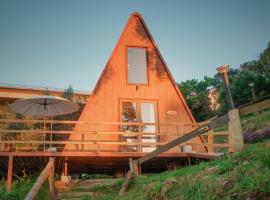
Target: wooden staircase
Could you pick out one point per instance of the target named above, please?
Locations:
(83, 189)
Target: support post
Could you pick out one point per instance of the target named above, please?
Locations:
(236, 130)
(51, 178)
(9, 174)
(234, 117)
(131, 165)
(224, 69)
(66, 167)
(136, 167)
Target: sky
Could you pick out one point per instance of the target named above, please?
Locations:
(56, 43)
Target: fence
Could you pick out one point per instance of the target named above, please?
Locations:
(39, 135)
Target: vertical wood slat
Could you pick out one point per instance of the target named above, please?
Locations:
(210, 141)
(9, 174)
(51, 178)
(66, 167)
(231, 149)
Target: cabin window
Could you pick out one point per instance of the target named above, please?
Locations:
(137, 65)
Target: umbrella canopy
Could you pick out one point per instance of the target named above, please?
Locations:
(44, 106)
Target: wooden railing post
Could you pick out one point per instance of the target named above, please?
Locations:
(9, 174)
(210, 141)
(231, 150)
(236, 130)
(51, 178)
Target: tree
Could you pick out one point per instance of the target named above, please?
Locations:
(196, 94)
(68, 93)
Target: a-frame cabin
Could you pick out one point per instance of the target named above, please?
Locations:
(135, 106)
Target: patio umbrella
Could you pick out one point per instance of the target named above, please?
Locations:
(46, 106)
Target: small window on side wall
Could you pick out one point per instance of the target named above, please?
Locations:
(137, 65)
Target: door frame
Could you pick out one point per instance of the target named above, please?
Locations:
(138, 112)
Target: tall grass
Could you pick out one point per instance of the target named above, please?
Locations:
(21, 187)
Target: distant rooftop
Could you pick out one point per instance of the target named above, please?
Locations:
(40, 88)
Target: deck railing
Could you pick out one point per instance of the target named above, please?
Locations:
(39, 135)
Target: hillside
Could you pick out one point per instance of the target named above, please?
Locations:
(245, 175)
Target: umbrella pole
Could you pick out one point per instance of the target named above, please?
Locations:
(51, 135)
(44, 134)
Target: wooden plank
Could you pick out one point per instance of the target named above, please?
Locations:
(211, 125)
(40, 180)
(51, 178)
(92, 142)
(66, 167)
(9, 174)
(94, 133)
(254, 107)
(126, 183)
(89, 154)
(210, 141)
(94, 123)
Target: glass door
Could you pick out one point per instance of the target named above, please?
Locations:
(148, 115)
(141, 112)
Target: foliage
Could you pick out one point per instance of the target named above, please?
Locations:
(68, 93)
(15, 126)
(196, 95)
(21, 187)
(261, 65)
(255, 71)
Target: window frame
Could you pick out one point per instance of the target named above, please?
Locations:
(147, 64)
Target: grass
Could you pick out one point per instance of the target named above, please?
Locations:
(252, 122)
(245, 175)
(21, 187)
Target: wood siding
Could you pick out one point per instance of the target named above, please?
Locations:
(104, 103)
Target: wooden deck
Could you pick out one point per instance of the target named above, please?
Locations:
(107, 154)
(90, 162)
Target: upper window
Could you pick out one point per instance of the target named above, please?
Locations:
(137, 65)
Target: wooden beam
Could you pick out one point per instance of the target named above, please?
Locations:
(9, 174)
(66, 167)
(210, 141)
(255, 107)
(51, 178)
(211, 125)
(126, 183)
(131, 165)
(136, 167)
(89, 154)
(37, 185)
(236, 130)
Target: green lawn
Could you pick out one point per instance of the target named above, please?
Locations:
(244, 175)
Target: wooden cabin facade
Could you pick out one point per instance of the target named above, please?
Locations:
(135, 107)
(136, 86)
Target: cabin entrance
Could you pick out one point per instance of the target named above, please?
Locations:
(144, 115)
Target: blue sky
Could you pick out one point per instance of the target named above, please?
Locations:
(55, 43)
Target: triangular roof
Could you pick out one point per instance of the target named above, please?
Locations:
(136, 14)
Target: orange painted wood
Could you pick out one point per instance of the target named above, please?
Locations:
(9, 174)
(66, 167)
(51, 178)
(104, 104)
